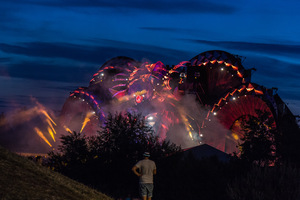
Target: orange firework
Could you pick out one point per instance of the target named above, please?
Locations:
(51, 126)
(46, 114)
(86, 120)
(67, 129)
(40, 133)
(51, 133)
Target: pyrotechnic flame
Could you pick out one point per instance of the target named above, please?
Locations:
(67, 129)
(51, 133)
(188, 126)
(51, 126)
(86, 120)
(46, 114)
(190, 134)
(40, 133)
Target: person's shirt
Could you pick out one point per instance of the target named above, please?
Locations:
(146, 168)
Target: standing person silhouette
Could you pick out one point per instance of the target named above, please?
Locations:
(147, 169)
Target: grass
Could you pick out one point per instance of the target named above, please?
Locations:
(23, 179)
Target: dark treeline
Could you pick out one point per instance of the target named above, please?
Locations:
(104, 162)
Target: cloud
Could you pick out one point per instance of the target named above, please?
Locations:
(106, 49)
(266, 48)
(175, 30)
(40, 71)
(271, 67)
(156, 6)
(5, 59)
(3, 102)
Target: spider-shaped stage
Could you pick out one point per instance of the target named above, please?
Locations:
(197, 101)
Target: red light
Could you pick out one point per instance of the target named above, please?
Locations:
(138, 98)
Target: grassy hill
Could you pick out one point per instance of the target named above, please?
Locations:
(23, 179)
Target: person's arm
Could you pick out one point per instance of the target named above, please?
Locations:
(134, 169)
(154, 168)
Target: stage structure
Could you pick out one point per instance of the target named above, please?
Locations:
(198, 101)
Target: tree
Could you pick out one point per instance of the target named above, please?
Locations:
(104, 161)
(288, 148)
(259, 141)
(127, 136)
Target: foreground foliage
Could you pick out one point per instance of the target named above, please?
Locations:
(260, 139)
(105, 160)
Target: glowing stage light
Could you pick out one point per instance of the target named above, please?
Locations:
(139, 99)
(150, 118)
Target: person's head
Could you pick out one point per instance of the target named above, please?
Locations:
(146, 154)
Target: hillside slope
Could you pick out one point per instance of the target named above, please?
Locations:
(23, 179)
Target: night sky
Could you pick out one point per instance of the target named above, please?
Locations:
(50, 47)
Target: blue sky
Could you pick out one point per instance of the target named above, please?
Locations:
(50, 47)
